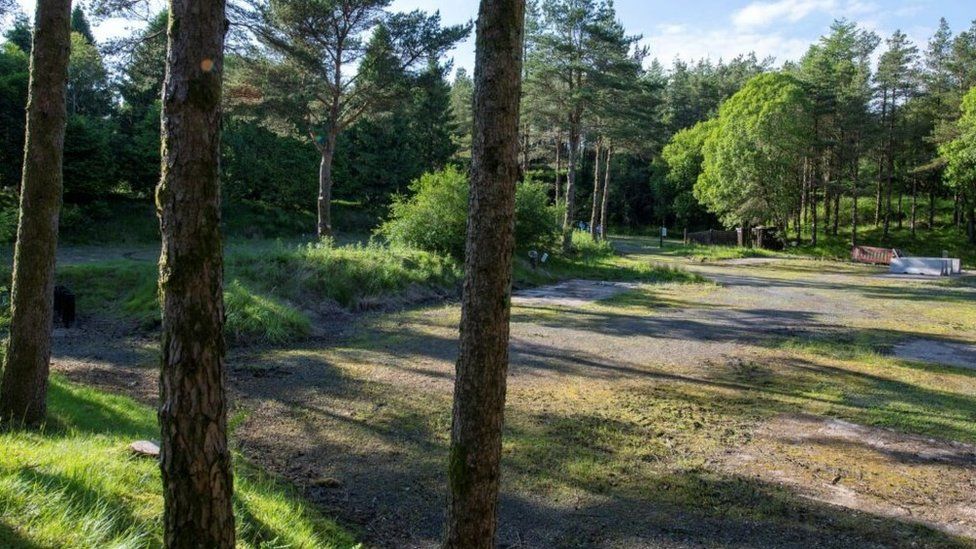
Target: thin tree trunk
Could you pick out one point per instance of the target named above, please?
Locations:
(23, 389)
(604, 219)
(837, 197)
(597, 199)
(828, 198)
(805, 193)
(881, 161)
(482, 365)
(890, 175)
(887, 212)
(932, 199)
(972, 224)
(813, 202)
(914, 204)
(559, 145)
(570, 214)
(901, 210)
(327, 153)
(956, 211)
(855, 174)
(195, 460)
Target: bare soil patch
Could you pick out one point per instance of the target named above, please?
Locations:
(572, 293)
(938, 352)
(867, 469)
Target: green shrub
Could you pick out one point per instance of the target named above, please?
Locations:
(434, 216)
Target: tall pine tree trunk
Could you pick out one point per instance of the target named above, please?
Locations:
(482, 365)
(195, 459)
(932, 199)
(326, 155)
(604, 219)
(597, 199)
(23, 389)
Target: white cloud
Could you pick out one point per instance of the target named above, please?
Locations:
(762, 14)
(669, 42)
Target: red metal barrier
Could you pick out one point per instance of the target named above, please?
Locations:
(874, 256)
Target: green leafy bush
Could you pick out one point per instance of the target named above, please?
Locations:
(434, 216)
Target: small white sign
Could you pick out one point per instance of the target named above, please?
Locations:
(664, 231)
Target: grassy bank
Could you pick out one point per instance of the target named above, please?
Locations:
(596, 261)
(270, 292)
(75, 484)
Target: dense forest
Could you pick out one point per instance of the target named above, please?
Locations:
(862, 131)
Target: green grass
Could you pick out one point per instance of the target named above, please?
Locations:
(75, 484)
(597, 261)
(350, 275)
(273, 290)
(270, 290)
(249, 313)
(697, 252)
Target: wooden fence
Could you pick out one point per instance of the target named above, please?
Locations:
(712, 237)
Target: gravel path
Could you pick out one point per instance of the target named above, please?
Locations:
(360, 422)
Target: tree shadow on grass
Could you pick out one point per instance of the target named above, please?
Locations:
(11, 539)
(75, 408)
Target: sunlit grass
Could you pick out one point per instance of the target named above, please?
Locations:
(75, 484)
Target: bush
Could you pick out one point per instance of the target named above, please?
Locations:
(434, 217)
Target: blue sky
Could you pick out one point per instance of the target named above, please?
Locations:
(715, 29)
(722, 29)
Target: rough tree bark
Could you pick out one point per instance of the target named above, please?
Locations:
(482, 366)
(23, 389)
(597, 188)
(195, 460)
(327, 153)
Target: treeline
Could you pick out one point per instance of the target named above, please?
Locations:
(112, 141)
(802, 147)
(596, 108)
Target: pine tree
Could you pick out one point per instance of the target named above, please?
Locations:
(339, 60)
(23, 387)
(195, 459)
(482, 365)
(79, 24)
